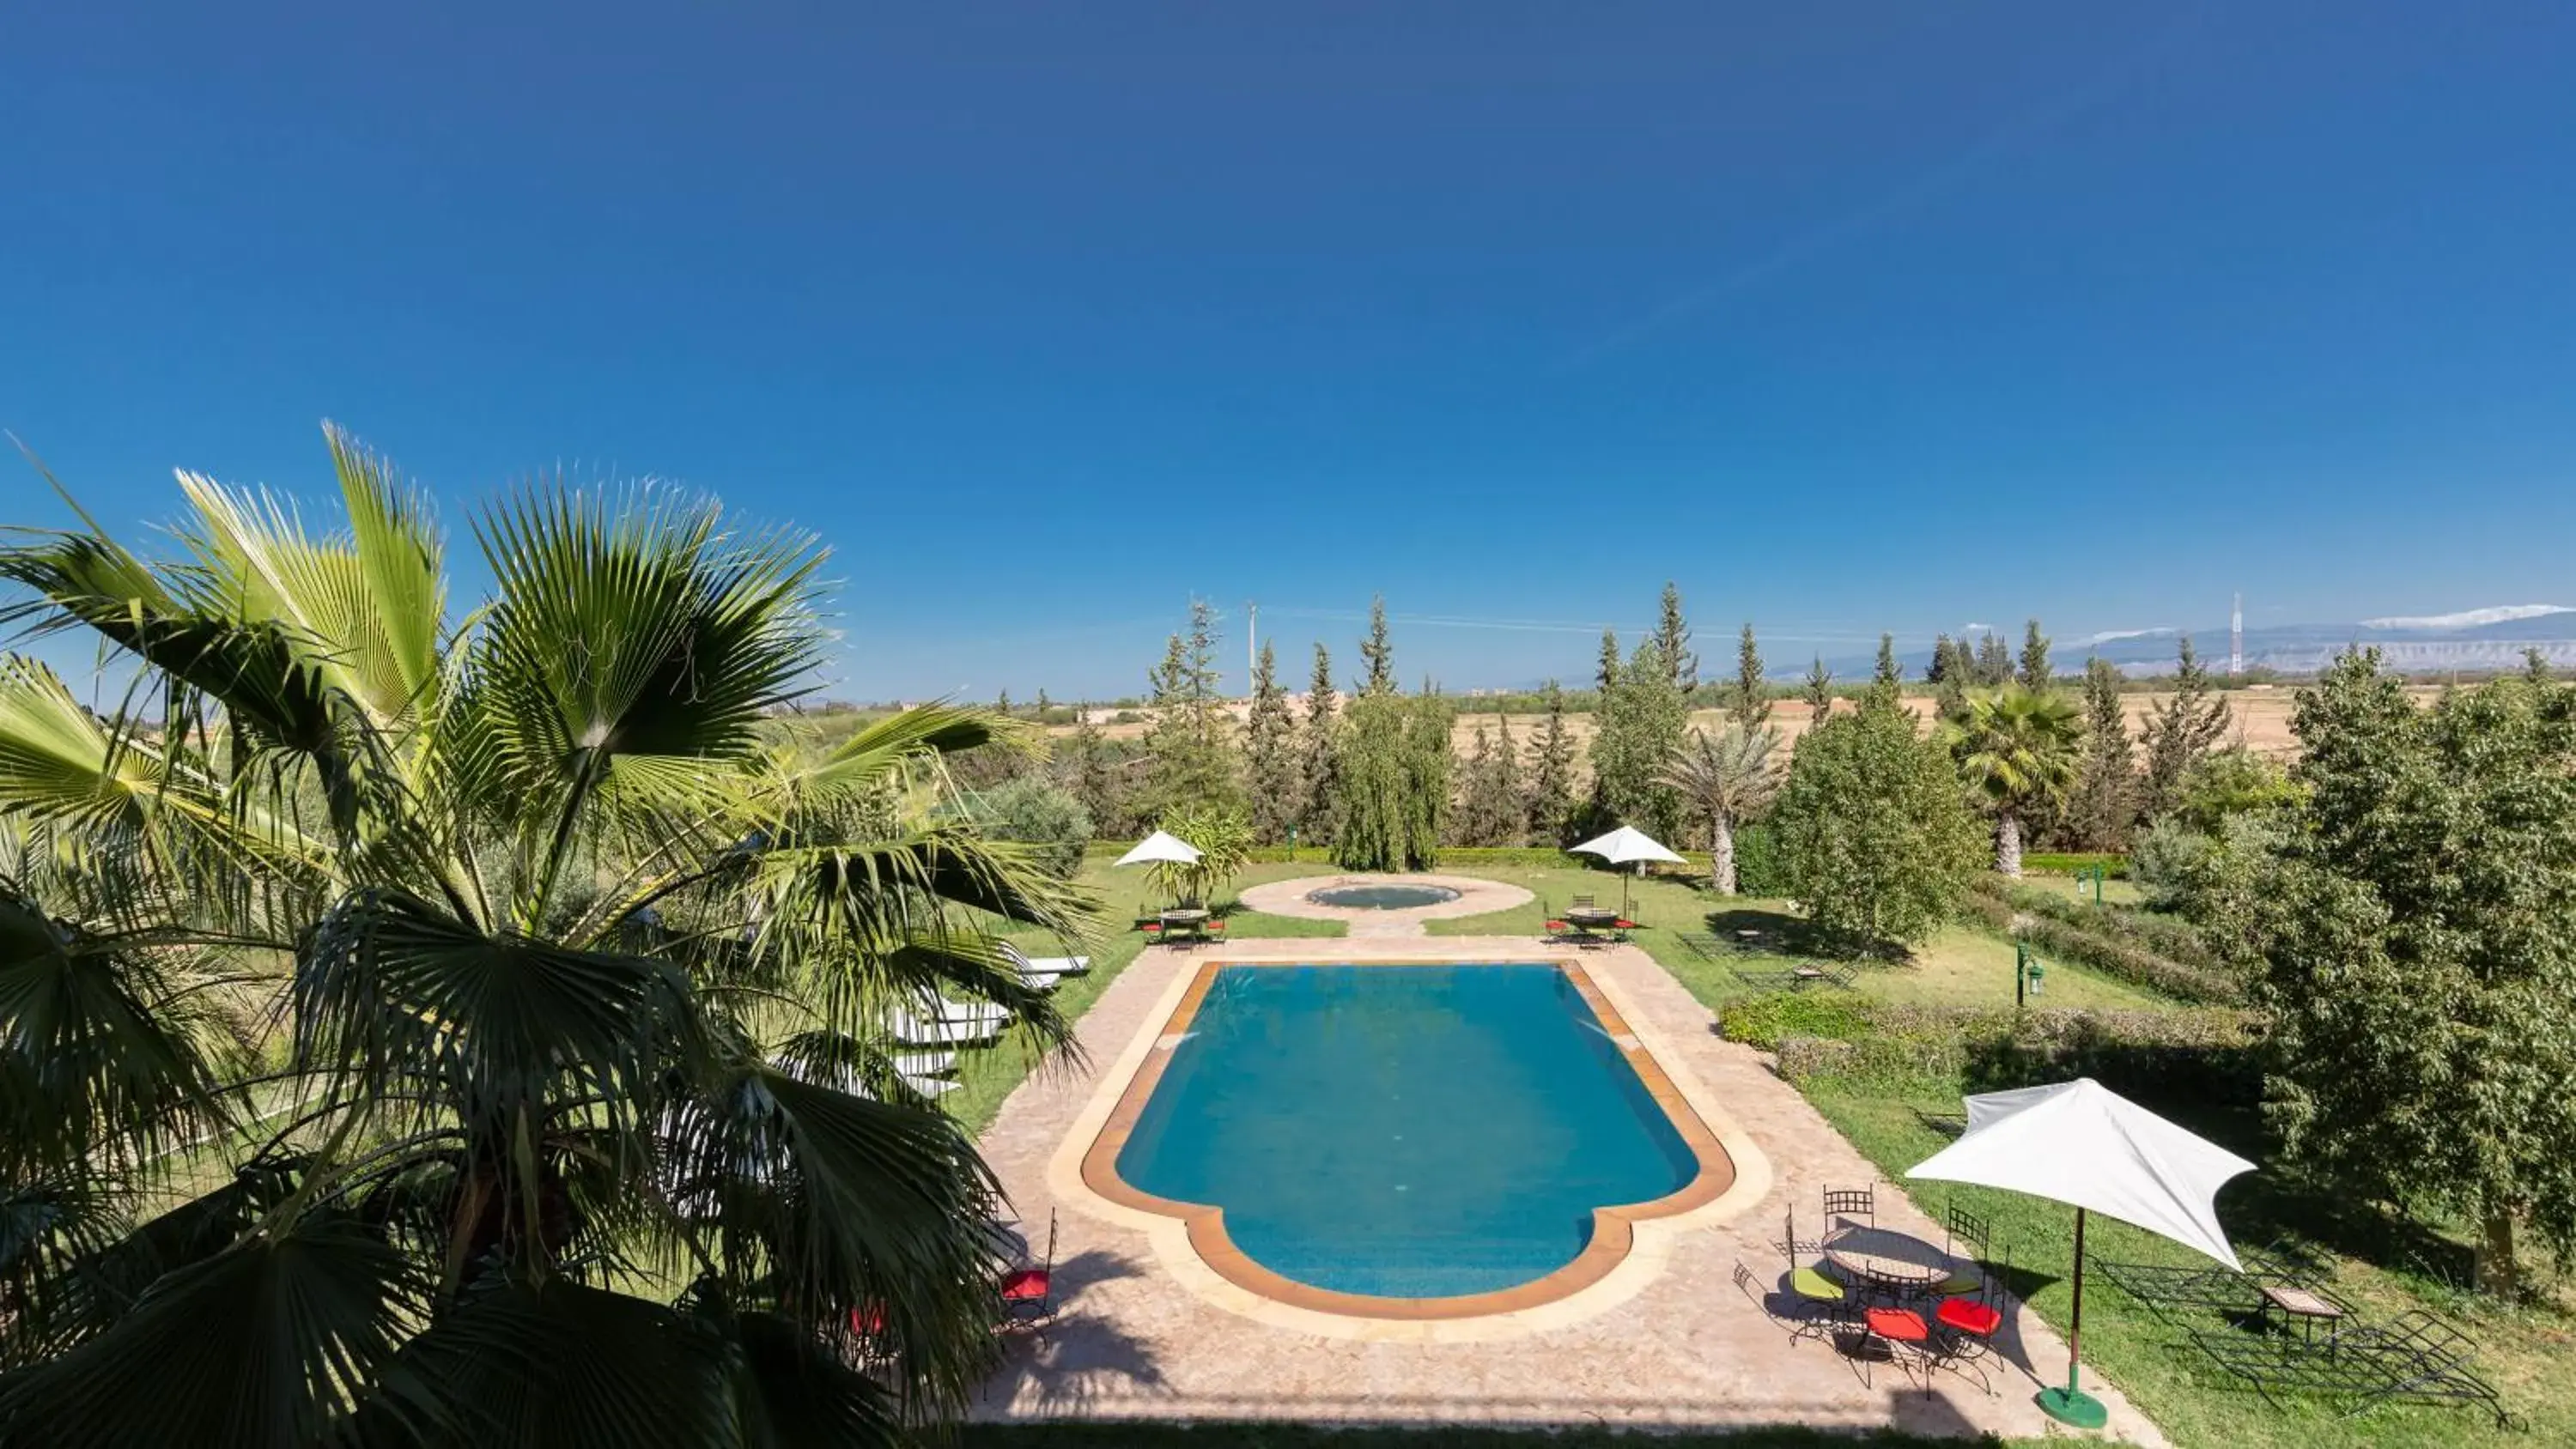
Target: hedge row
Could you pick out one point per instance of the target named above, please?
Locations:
(2109, 955)
(2204, 1053)
(2068, 863)
(2166, 936)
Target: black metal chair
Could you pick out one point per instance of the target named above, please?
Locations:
(1027, 1291)
(1804, 1314)
(1965, 1325)
(1851, 1202)
(1962, 1228)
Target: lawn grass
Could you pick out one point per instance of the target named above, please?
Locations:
(2384, 1267)
(1960, 966)
(1306, 1436)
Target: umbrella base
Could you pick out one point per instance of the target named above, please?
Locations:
(2073, 1407)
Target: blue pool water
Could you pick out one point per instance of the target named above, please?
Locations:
(1407, 1131)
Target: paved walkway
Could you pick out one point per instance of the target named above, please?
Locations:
(1476, 897)
(1143, 1337)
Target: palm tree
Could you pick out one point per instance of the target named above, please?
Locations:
(472, 1031)
(1726, 777)
(2019, 749)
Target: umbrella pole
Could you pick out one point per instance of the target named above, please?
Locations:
(2071, 1405)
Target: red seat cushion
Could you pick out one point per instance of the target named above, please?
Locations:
(1904, 1325)
(1024, 1286)
(1623, 925)
(1556, 925)
(1970, 1316)
(868, 1320)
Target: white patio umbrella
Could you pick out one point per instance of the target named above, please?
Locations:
(2080, 1142)
(1160, 848)
(1626, 845)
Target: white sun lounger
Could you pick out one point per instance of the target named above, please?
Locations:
(929, 1086)
(1058, 966)
(932, 1007)
(925, 1064)
(915, 1030)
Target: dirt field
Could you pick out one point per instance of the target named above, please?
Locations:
(2260, 719)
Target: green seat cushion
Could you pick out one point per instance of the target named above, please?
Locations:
(1808, 1283)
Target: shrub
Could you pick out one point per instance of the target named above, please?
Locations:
(1874, 831)
(2166, 936)
(2206, 1057)
(1759, 870)
(2134, 964)
(1223, 838)
(2071, 862)
(1764, 1020)
(1032, 810)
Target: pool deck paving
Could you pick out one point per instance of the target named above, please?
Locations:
(1149, 1332)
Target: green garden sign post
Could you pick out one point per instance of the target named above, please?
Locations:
(2028, 975)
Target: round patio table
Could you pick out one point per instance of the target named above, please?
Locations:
(1591, 918)
(1887, 1256)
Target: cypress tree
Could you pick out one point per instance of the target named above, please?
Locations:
(1672, 636)
(1491, 810)
(2104, 804)
(1750, 699)
(1514, 806)
(1376, 653)
(1316, 793)
(1939, 669)
(1640, 726)
(1605, 674)
(2181, 730)
(1270, 755)
(1994, 661)
(1189, 746)
(1820, 690)
(1887, 679)
(1002, 704)
(1551, 798)
(1043, 706)
(2035, 675)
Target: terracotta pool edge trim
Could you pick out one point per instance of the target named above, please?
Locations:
(1615, 1237)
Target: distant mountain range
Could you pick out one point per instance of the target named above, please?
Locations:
(2473, 639)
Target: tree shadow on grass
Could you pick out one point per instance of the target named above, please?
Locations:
(2216, 1091)
(1779, 933)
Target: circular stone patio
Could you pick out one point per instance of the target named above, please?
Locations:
(1475, 898)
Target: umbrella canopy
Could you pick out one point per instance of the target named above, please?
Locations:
(1627, 845)
(1161, 849)
(2081, 1143)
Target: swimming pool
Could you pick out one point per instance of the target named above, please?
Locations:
(1407, 1133)
(1382, 897)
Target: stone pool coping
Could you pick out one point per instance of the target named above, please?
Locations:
(1630, 1243)
(1476, 897)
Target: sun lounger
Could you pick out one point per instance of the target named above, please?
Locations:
(2413, 1356)
(926, 1064)
(928, 1086)
(2210, 1288)
(915, 1030)
(932, 1007)
(1047, 963)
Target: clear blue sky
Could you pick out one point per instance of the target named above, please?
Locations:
(1847, 316)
